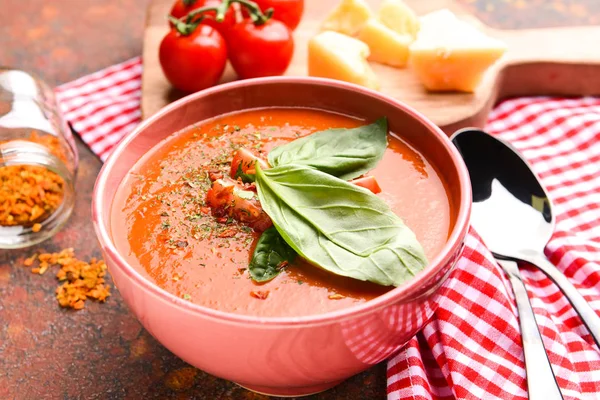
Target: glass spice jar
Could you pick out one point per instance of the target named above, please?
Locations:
(38, 161)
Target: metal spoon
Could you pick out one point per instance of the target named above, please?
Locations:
(541, 381)
(513, 213)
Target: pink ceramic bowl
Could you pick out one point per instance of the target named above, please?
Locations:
(285, 356)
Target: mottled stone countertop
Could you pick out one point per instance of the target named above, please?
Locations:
(102, 351)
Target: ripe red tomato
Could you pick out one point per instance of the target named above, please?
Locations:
(287, 11)
(181, 9)
(260, 50)
(195, 61)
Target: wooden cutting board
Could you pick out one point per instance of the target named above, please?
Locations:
(554, 61)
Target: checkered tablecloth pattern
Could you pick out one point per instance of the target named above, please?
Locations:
(104, 106)
(472, 347)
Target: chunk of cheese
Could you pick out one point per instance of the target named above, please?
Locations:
(348, 17)
(396, 15)
(386, 45)
(337, 56)
(452, 55)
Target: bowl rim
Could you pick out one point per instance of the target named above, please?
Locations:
(395, 295)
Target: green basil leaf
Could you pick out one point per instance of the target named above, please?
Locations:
(338, 226)
(246, 178)
(345, 153)
(269, 256)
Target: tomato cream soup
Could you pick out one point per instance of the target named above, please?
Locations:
(162, 225)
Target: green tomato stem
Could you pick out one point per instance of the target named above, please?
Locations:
(221, 10)
(257, 16)
(199, 11)
(188, 23)
(183, 28)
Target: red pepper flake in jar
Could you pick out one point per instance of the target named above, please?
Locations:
(82, 280)
(260, 294)
(30, 193)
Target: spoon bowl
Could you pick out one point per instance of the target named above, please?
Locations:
(506, 195)
(512, 211)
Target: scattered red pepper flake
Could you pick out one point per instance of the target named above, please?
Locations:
(260, 294)
(82, 280)
(336, 296)
(29, 261)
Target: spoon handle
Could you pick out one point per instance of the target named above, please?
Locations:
(579, 303)
(541, 381)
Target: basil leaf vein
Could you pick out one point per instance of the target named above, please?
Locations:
(345, 153)
(270, 256)
(338, 226)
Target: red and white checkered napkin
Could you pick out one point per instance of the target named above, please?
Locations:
(472, 348)
(102, 107)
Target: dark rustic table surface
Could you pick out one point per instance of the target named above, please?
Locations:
(102, 351)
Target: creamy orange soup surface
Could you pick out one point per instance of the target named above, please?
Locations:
(161, 225)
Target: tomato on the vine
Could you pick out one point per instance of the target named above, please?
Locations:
(194, 61)
(193, 55)
(263, 49)
(287, 11)
(181, 8)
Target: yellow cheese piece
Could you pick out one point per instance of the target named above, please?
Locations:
(348, 17)
(386, 45)
(396, 15)
(337, 56)
(452, 55)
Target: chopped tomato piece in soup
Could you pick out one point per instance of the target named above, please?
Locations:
(228, 198)
(367, 182)
(243, 162)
